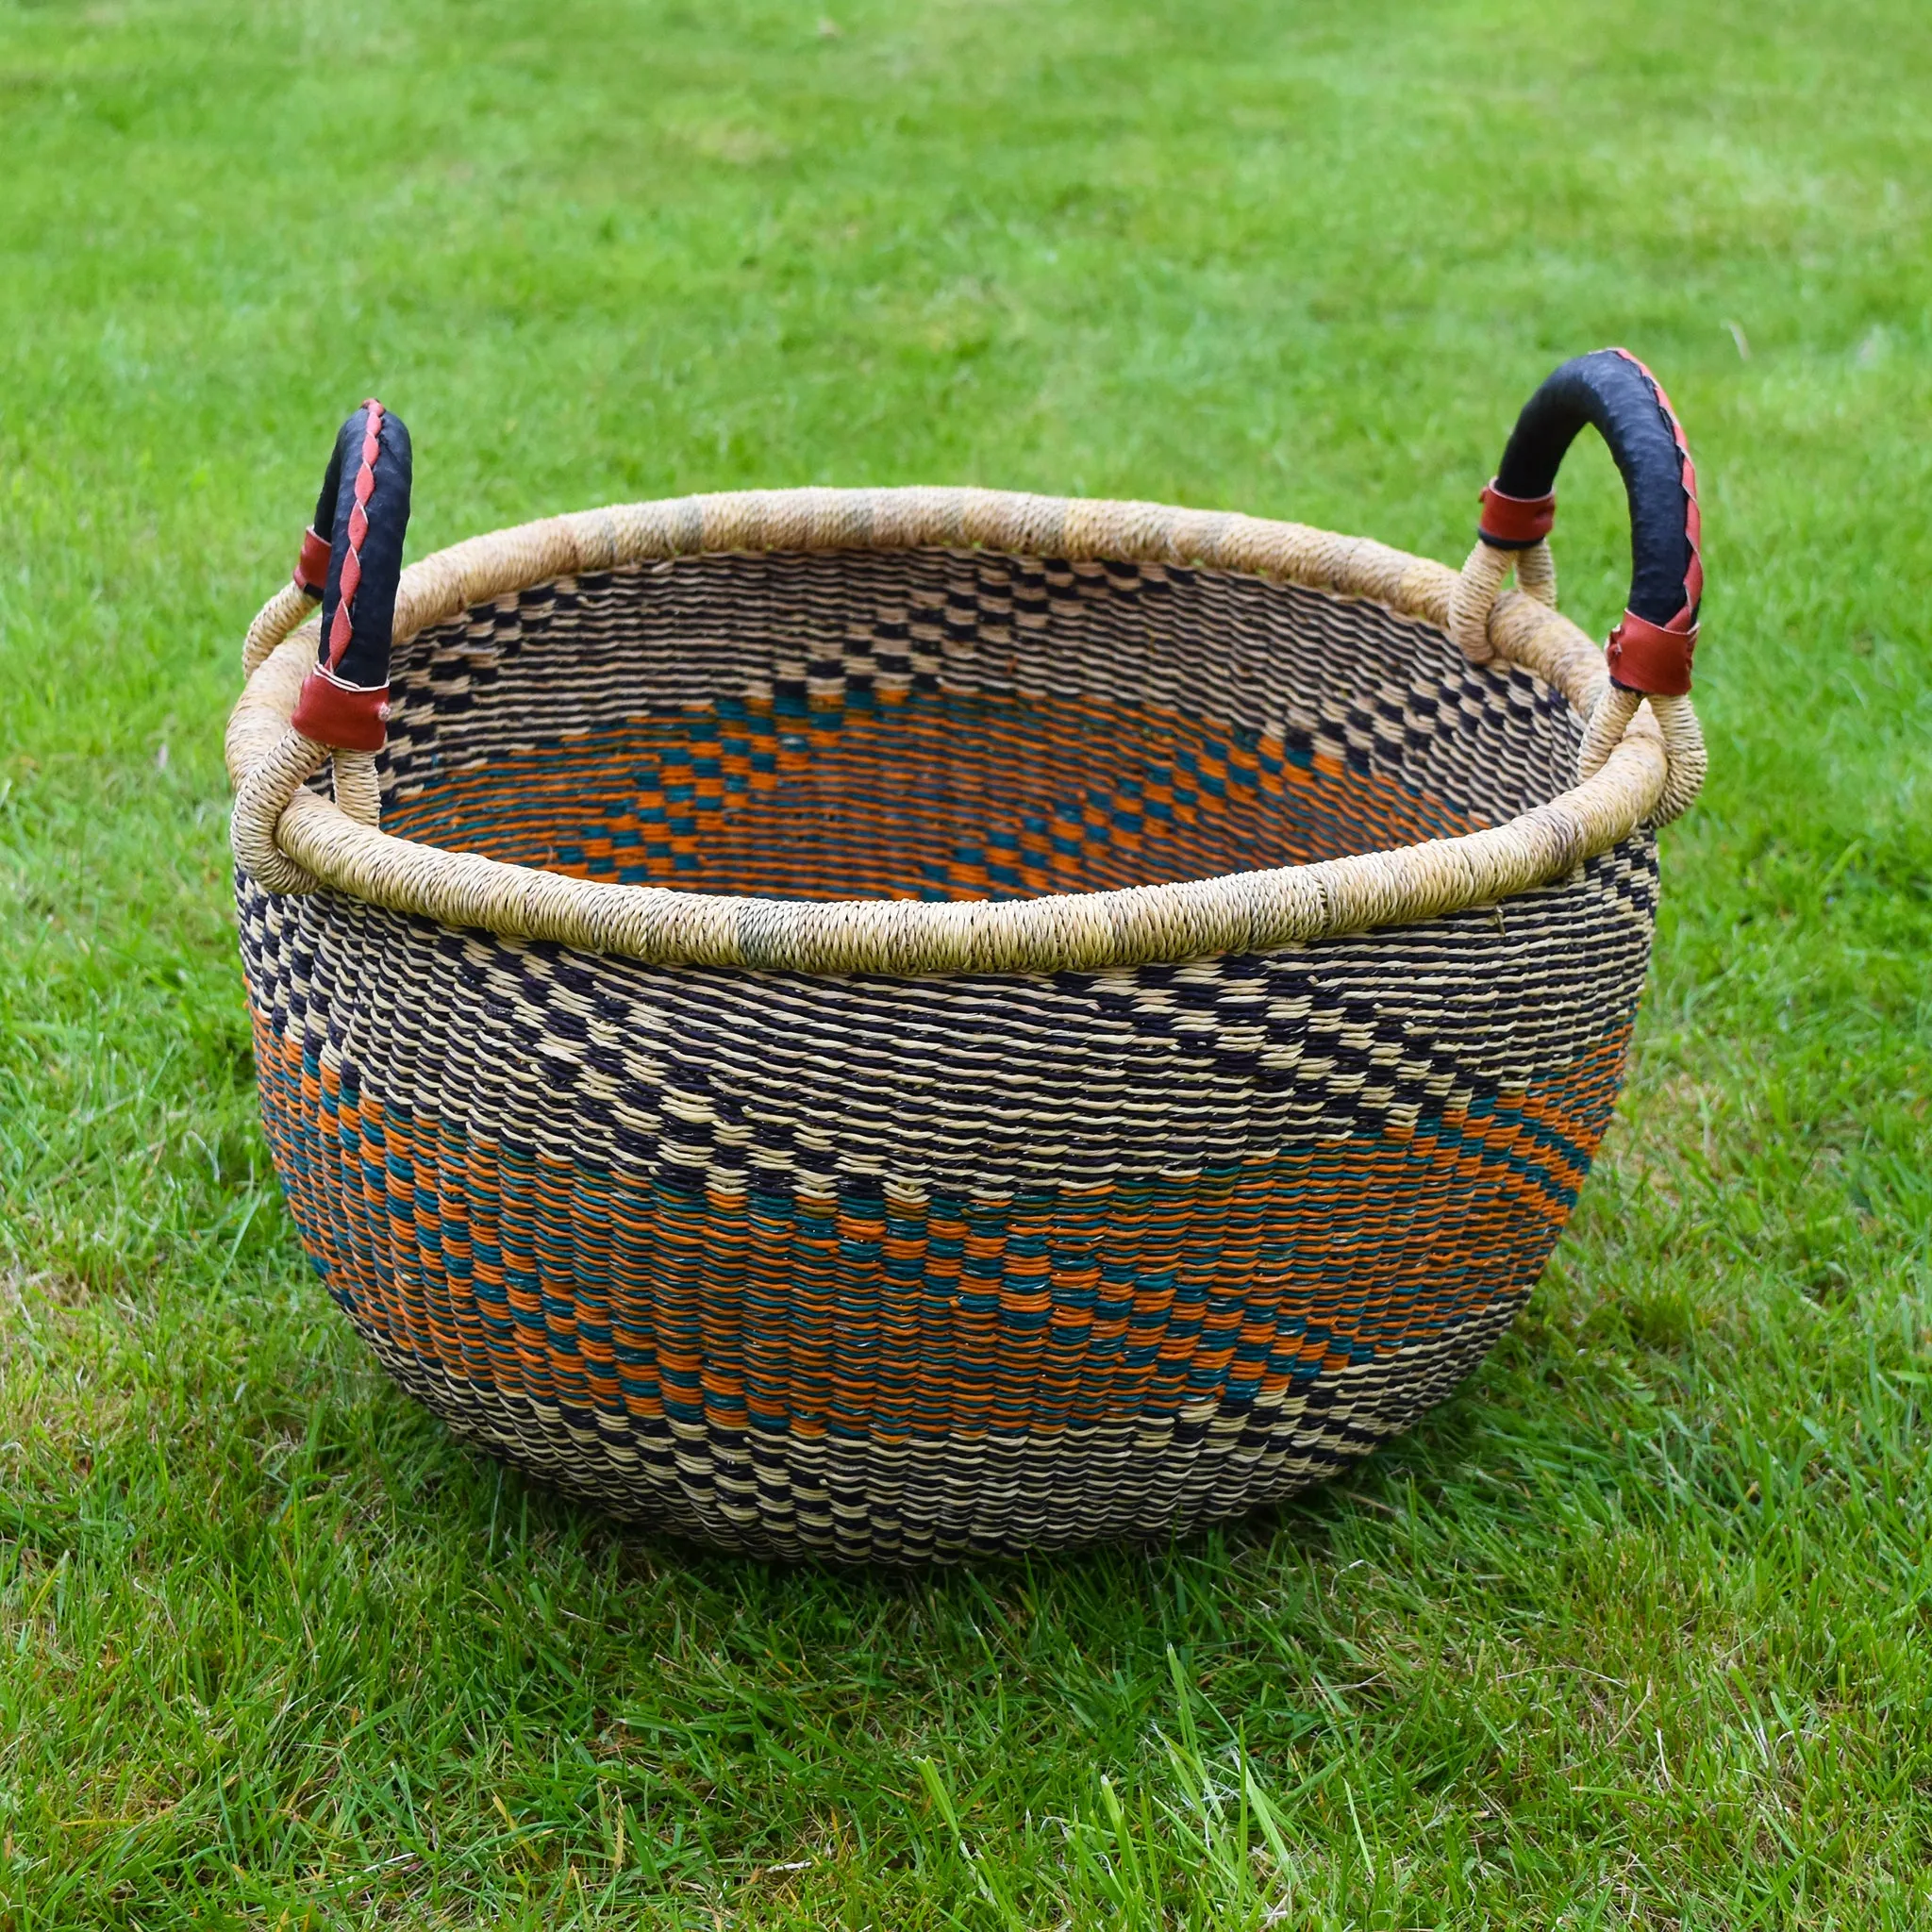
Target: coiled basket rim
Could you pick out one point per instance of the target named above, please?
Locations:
(321, 846)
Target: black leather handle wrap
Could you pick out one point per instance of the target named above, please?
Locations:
(325, 523)
(364, 661)
(1612, 389)
(364, 513)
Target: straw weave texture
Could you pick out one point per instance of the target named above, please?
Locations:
(973, 1257)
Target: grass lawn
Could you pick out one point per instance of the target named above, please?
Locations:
(1637, 1630)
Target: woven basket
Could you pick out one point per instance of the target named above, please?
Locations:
(899, 1024)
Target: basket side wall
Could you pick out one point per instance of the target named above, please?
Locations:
(896, 1270)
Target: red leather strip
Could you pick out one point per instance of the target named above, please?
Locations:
(1653, 657)
(1514, 523)
(338, 715)
(311, 564)
(343, 628)
(1694, 517)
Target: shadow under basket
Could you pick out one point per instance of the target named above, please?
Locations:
(895, 1026)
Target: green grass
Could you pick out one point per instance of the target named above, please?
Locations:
(1637, 1630)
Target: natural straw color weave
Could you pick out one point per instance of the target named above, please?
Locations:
(899, 1024)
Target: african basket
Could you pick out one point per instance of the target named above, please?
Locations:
(900, 1024)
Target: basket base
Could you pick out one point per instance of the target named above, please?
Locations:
(790, 1497)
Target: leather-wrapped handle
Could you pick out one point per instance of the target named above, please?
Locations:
(1651, 650)
(355, 570)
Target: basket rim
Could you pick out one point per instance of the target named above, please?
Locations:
(291, 839)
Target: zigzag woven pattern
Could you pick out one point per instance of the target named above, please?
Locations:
(902, 1269)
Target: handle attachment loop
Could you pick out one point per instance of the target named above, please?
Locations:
(354, 573)
(1648, 655)
(344, 703)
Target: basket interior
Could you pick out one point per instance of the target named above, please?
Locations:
(941, 725)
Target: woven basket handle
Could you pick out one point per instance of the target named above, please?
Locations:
(1648, 655)
(364, 506)
(1650, 651)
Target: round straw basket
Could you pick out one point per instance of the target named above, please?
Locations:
(898, 1024)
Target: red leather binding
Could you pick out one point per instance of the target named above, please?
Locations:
(1653, 657)
(312, 565)
(340, 716)
(1514, 523)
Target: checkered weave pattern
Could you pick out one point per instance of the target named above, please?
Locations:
(898, 1269)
